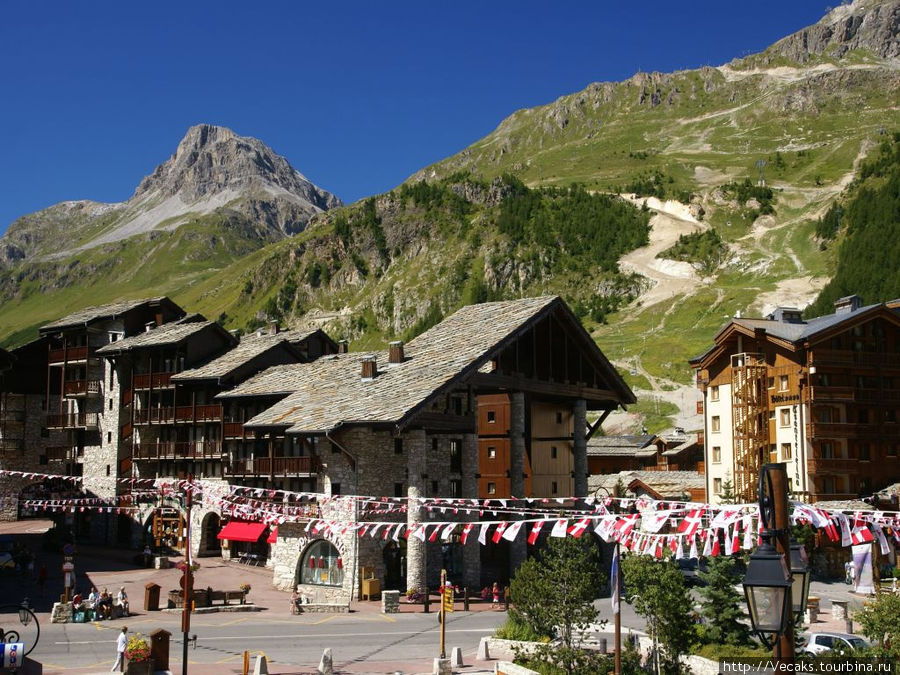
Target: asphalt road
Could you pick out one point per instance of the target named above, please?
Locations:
(298, 640)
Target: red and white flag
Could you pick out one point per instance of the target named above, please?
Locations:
(691, 522)
(559, 528)
(846, 536)
(861, 535)
(535, 532)
(482, 533)
(448, 530)
(501, 528)
(694, 553)
(465, 533)
(624, 526)
(578, 528)
(882, 541)
(511, 532)
(653, 522)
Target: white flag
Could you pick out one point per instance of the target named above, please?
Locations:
(559, 528)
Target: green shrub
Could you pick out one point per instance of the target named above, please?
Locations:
(517, 630)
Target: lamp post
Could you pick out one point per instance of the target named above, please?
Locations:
(15, 636)
(188, 579)
(800, 576)
(614, 581)
(769, 582)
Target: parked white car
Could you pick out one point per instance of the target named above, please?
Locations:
(820, 643)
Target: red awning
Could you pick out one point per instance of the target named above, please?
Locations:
(273, 535)
(240, 531)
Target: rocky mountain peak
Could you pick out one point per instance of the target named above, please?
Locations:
(872, 25)
(211, 160)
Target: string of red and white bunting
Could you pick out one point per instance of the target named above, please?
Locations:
(641, 525)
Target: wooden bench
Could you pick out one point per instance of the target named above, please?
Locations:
(207, 598)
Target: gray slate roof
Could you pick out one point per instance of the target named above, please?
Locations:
(331, 392)
(171, 333)
(670, 484)
(247, 349)
(622, 446)
(89, 314)
(277, 380)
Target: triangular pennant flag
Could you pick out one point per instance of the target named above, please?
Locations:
(578, 528)
(482, 534)
(499, 532)
(559, 528)
(465, 533)
(707, 545)
(882, 541)
(434, 533)
(691, 522)
(679, 550)
(448, 530)
(510, 533)
(535, 532)
(419, 532)
(846, 537)
(748, 533)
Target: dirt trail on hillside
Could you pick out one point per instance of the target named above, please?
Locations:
(670, 220)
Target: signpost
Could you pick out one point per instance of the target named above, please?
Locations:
(446, 606)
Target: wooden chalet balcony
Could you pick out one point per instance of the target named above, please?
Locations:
(60, 453)
(844, 430)
(821, 393)
(153, 380)
(273, 466)
(835, 496)
(12, 445)
(81, 388)
(236, 430)
(877, 395)
(177, 450)
(179, 414)
(846, 357)
(68, 354)
(72, 421)
(832, 465)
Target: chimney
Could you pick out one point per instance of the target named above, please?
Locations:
(395, 354)
(343, 346)
(847, 304)
(369, 368)
(150, 325)
(273, 327)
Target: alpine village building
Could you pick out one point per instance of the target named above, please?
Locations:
(822, 395)
(492, 402)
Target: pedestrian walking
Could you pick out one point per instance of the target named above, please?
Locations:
(121, 643)
(495, 593)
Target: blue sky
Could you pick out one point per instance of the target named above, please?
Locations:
(356, 95)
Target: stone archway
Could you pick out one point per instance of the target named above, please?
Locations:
(210, 526)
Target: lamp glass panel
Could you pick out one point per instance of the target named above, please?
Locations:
(797, 604)
(766, 606)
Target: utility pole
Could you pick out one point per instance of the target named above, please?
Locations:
(784, 647)
(618, 614)
(188, 578)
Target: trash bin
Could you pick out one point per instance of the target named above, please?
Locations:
(159, 648)
(151, 597)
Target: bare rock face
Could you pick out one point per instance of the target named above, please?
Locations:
(865, 24)
(210, 159)
(213, 170)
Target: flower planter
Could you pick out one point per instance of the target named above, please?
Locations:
(144, 667)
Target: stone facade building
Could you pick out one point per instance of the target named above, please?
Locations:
(142, 390)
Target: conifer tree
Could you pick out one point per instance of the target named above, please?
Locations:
(723, 606)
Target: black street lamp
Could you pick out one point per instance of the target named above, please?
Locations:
(25, 616)
(769, 583)
(766, 586)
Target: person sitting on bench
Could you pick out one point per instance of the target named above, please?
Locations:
(104, 605)
(122, 601)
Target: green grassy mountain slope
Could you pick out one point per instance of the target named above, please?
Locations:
(739, 162)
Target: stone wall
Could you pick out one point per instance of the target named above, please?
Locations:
(30, 407)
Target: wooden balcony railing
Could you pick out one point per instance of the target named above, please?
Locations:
(177, 450)
(835, 496)
(60, 453)
(68, 355)
(72, 421)
(153, 380)
(844, 430)
(842, 357)
(81, 388)
(183, 413)
(274, 466)
(12, 445)
(832, 465)
(821, 393)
